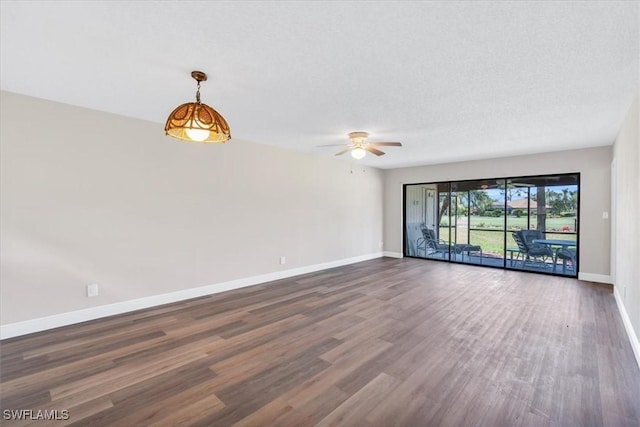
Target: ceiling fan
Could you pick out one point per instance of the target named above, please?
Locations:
(499, 183)
(514, 184)
(359, 146)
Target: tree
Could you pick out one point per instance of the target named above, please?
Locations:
(567, 201)
(444, 208)
(512, 191)
(541, 210)
(555, 202)
(480, 201)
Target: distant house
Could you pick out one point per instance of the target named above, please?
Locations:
(500, 206)
(516, 204)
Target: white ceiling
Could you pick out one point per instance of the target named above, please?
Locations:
(450, 80)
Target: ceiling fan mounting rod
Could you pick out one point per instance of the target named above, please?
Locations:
(358, 137)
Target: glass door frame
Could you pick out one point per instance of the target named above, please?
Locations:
(506, 180)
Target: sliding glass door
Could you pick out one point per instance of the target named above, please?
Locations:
(523, 223)
(480, 221)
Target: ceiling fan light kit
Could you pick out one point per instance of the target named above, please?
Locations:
(359, 146)
(358, 153)
(197, 122)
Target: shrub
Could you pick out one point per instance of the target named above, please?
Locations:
(567, 214)
(518, 212)
(497, 213)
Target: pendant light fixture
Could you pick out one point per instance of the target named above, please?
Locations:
(195, 121)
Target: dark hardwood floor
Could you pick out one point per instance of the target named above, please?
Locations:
(387, 342)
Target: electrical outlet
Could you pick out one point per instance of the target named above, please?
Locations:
(283, 260)
(605, 215)
(92, 290)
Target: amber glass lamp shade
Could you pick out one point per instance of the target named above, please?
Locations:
(195, 121)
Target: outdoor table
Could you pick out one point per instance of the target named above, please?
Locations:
(557, 242)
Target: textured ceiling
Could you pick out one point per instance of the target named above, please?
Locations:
(450, 80)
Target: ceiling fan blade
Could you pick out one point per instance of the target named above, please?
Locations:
(374, 151)
(385, 144)
(344, 151)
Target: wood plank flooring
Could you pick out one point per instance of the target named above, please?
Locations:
(387, 342)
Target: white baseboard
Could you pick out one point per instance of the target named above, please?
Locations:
(393, 254)
(633, 337)
(11, 330)
(592, 277)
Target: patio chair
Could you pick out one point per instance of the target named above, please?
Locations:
(429, 242)
(462, 248)
(536, 253)
(566, 254)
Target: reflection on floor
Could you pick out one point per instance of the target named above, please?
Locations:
(512, 264)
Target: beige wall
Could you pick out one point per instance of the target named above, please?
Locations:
(91, 197)
(593, 165)
(142, 214)
(626, 250)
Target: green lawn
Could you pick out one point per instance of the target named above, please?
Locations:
(515, 223)
(487, 231)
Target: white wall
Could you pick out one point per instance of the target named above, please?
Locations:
(626, 153)
(90, 197)
(593, 165)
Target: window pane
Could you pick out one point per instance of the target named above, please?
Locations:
(479, 222)
(524, 223)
